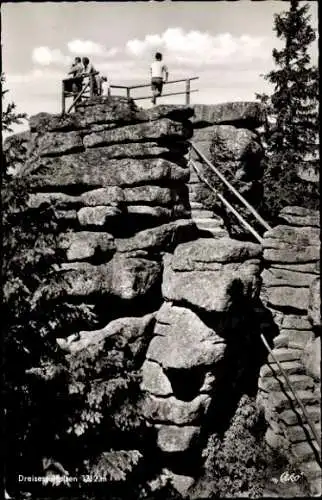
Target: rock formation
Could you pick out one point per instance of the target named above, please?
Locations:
(148, 248)
(291, 290)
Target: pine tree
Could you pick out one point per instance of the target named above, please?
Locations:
(9, 115)
(292, 130)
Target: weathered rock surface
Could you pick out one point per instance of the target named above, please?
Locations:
(126, 278)
(125, 331)
(173, 439)
(246, 114)
(158, 130)
(185, 341)
(198, 275)
(171, 410)
(314, 306)
(86, 244)
(58, 143)
(89, 172)
(300, 216)
(154, 380)
(161, 238)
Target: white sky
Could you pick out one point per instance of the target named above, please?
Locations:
(227, 44)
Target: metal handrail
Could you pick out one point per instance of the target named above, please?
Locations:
(227, 204)
(232, 189)
(128, 89)
(288, 383)
(149, 84)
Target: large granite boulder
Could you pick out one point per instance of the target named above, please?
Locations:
(212, 275)
(249, 115)
(183, 341)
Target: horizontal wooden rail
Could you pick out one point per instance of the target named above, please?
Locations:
(83, 75)
(163, 95)
(165, 83)
(231, 188)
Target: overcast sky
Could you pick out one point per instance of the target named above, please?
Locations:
(227, 44)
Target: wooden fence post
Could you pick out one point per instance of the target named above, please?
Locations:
(91, 86)
(128, 91)
(187, 91)
(63, 98)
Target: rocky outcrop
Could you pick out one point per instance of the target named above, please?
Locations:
(225, 134)
(174, 295)
(291, 290)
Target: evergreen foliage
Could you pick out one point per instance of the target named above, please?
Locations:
(9, 113)
(291, 132)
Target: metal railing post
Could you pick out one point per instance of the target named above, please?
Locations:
(187, 91)
(128, 92)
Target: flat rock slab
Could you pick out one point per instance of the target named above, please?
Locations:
(163, 129)
(173, 411)
(288, 297)
(185, 341)
(59, 143)
(96, 216)
(295, 236)
(300, 216)
(242, 114)
(126, 278)
(119, 110)
(208, 250)
(144, 150)
(85, 244)
(160, 237)
(124, 330)
(284, 277)
(91, 171)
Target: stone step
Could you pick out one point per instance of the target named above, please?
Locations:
(300, 433)
(216, 233)
(196, 205)
(202, 214)
(302, 451)
(283, 401)
(207, 222)
(281, 341)
(290, 417)
(300, 340)
(294, 341)
(284, 354)
(311, 469)
(289, 366)
(275, 383)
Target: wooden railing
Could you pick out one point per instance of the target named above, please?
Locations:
(87, 90)
(186, 92)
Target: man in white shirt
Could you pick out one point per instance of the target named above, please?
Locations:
(159, 75)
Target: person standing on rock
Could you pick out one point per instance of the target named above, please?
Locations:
(89, 70)
(76, 71)
(159, 75)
